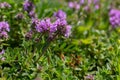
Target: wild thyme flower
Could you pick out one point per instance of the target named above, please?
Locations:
(97, 7)
(53, 28)
(58, 26)
(5, 5)
(67, 31)
(29, 35)
(60, 14)
(96, 4)
(32, 14)
(35, 21)
(82, 2)
(71, 5)
(28, 6)
(4, 26)
(3, 34)
(43, 25)
(114, 17)
(93, 2)
(60, 22)
(60, 18)
(74, 5)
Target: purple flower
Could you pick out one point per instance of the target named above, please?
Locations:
(96, 3)
(57, 24)
(68, 31)
(71, 5)
(60, 22)
(53, 28)
(43, 25)
(35, 21)
(58, 27)
(3, 34)
(5, 5)
(82, 2)
(2, 52)
(28, 6)
(77, 7)
(32, 14)
(97, 6)
(74, 5)
(114, 17)
(114, 12)
(4, 26)
(29, 34)
(60, 14)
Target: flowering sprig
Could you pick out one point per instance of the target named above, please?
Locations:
(5, 5)
(50, 28)
(59, 25)
(1, 55)
(74, 5)
(4, 28)
(114, 17)
(30, 8)
(84, 4)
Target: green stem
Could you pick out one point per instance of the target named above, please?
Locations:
(49, 40)
(44, 49)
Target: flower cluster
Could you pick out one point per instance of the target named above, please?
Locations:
(96, 3)
(2, 51)
(28, 35)
(19, 16)
(114, 17)
(5, 5)
(60, 14)
(30, 8)
(74, 5)
(4, 28)
(85, 4)
(59, 26)
(43, 25)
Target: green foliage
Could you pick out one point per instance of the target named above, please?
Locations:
(92, 49)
